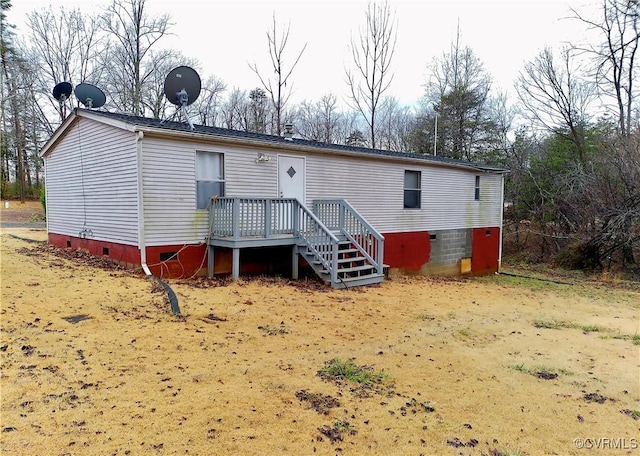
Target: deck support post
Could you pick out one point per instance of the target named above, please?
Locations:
(235, 264)
(210, 262)
(294, 263)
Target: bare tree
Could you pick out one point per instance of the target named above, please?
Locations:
(319, 121)
(555, 97)
(208, 105)
(236, 111)
(134, 34)
(614, 56)
(277, 87)
(503, 114)
(372, 54)
(394, 127)
(64, 46)
(349, 129)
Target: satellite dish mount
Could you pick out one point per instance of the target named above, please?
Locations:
(182, 87)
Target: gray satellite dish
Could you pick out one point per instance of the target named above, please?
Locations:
(182, 86)
(90, 96)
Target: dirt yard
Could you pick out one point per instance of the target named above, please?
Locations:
(94, 363)
(29, 211)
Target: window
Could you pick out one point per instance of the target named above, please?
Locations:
(209, 177)
(412, 190)
(477, 192)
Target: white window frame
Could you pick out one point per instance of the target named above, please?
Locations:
(215, 176)
(417, 189)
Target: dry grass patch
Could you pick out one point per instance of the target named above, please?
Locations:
(92, 362)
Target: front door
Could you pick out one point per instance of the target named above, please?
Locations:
(291, 177)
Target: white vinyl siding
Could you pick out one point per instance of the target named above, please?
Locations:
(91, 184)
(375, 189)
(169, 179)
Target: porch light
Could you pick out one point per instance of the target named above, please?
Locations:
(263, 158)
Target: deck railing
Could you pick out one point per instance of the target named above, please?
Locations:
(236, 218)
(339, 215)
(240, 218)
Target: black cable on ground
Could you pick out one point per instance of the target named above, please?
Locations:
(171, 296)
(533, 278)
(27, 240)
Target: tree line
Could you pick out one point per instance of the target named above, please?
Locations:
(571, 140)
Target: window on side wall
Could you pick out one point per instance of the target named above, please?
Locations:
(209, 177)
(412, 191)
(477, 190)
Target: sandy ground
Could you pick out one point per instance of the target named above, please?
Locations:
(235, 374)
(17, 212)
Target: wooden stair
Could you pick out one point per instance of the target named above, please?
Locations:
(353, 269)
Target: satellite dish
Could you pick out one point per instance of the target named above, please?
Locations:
(182, 86)
(61, 91)
(90, 96)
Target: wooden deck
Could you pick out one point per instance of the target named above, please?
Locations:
(334, 239)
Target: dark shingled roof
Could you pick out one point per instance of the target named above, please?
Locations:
(228, 133)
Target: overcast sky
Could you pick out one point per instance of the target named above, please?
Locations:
(227, 35)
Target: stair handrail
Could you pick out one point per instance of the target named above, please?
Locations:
(375, 253)
(320, 255)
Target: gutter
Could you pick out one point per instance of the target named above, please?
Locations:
(141, 241)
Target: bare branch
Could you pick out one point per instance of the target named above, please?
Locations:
(372, 55)
(277, 88)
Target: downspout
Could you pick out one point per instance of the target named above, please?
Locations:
(171, 296)
(141, 240)
(501, 223)
(46, 198)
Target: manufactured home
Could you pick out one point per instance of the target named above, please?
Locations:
(180, 201)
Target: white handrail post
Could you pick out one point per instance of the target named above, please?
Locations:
(296, 218)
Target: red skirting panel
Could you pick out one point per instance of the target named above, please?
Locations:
(485, 248)
(121, 253)
(407, 251)
(173, 261)
(164, 261)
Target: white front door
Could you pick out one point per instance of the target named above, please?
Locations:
(291, 171)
